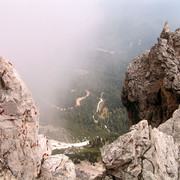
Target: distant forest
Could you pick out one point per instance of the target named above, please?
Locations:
(103, 73)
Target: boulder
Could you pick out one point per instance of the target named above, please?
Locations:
(25, 154)
(58, 167)
(143, 153)
(21, 148)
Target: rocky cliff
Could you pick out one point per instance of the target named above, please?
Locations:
(24, 154)
(144, 153)
(151, 89)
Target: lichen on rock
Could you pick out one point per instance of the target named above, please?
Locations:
(22, 150)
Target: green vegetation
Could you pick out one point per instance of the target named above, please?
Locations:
(104, 73)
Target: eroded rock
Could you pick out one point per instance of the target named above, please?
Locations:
(172, 128)
(143, 153)
(58, 167)
(21, 148)
(152, 85)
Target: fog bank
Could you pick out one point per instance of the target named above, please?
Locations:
(46, 40)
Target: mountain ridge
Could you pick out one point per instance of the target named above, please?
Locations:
(151, 88)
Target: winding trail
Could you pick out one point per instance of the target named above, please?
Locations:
(95, 120)
(98, 109)
(78, 100)
(101, 100)
(98, 105)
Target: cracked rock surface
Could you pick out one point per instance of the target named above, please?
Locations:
(22, 150)
(172, 128)
(58, 167)
(143, 153)
(152, 85)
(151, 91)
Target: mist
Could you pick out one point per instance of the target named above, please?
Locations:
(46, 40)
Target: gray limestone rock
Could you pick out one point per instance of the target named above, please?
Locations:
(58, 167)
(24, 154)
(172, 128)
(143, 153)
(21, 148)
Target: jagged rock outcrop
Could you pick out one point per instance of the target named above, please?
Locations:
(151, 91)
(172, 128)
(144, 153)
(152, 85)
(21, 148)
(58, 167)
(22, 151)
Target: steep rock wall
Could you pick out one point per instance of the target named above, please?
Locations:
(24, 154)
(21, 148)
(151, 91)
(151, 88)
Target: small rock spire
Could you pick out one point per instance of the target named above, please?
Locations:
(166, 27)
(165, 30)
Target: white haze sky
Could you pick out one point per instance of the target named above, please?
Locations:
(46, 38)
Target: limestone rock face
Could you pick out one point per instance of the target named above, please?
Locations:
(151, 91)
(152, 85)
(21, 148)
(172, 128)
(143, 153)
(25, 155)
(58, 167)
